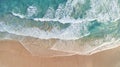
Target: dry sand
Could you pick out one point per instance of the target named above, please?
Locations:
(13, 54)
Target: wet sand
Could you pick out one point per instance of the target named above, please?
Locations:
(13, 54)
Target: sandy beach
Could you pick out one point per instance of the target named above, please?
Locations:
(13, 54)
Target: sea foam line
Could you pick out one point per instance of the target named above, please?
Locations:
(63, 20)
(18, 15)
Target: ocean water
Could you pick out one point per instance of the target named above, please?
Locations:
(61, 19)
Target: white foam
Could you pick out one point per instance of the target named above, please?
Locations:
(103, 11)
(18, 15)
(105, 46)
(74, 2)
(1, 27)
(73, 32)
(49, 13)
(63, 20)
(31, 10)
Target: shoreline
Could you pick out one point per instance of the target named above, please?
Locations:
(13, 54)
(50, 50)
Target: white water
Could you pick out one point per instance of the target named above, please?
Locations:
(74, 31)
(103, 11)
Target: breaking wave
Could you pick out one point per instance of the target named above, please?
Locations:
(77, 17)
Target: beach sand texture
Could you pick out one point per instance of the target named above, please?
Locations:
(13, 54)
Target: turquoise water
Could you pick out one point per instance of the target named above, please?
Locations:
(61, 19)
